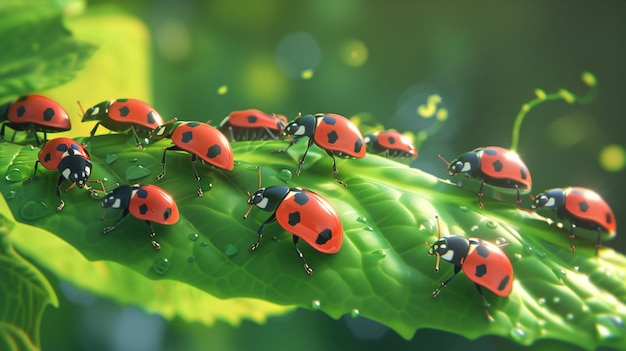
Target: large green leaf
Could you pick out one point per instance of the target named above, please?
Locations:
(24, 295)
(382, 272)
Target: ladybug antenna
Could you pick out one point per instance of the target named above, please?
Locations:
(104, 210)
(444, 160)
(82, 110)
(436, 252)
(249, 209)
(562, 94)
(250, 195)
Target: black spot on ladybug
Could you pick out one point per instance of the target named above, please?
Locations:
(48, 114)
(490, 152)
(482, 251)
(504, 282)
(193, 124)
(329, 120)
(358, 145)
(301, 198)
(391, 140)
(124, 111)
(21, 111)
(62, 147)
(497, 165)
(583, 206)
(186, 137)
(523, 172)
(252, 119)
(294, 218)
(151, 117)
(332, 137)
(214, 151)
(167, 213)
(324, 236)
(142, 193)
(481, 270)
(47, 157)
(609, 218)
(143, 209)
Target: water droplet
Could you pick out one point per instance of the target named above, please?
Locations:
(191, 259)
(502, 242)
(110, 158)
(609, 326)
(252, 168)
(556, 299)
(379, 253)
(231, 250)
(10, 195)
(536, 252)
(368, 228)
(193, 236)
(518, 256)
(570, 316)
(355, 313)
(207, 187)
(35, 210)
(316, 304)
(133, 160)
(518, 334)
(577, 268)
(474, 228)
(541, 301)
(492, 224)
(161, 266)
(284, 175)
(14, 175)
(137, 172)
(204, 243)
(361, 219)
(463, 208)
(559, 273)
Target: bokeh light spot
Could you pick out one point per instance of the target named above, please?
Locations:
(429, 109)
(296, 53)
(353, 53)
(173, 40)
(222, 89)
(307, 74)
(612, 158)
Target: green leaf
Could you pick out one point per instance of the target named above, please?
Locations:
(38, 51)
(382, 272)
(24, 294)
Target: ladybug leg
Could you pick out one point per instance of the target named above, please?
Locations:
(598, 245)
(259, 233)
(518, 199)
(293, 141)
(457, 269)
(37, 141)
(335, 170)
(152, 235)
(480, 195)
(230, 132)
(485, 303)
(162, 174)
(571, 238)
(59, 183)
(195, 174)
(269, 133)
(117, 221)
(2, 131)
(308, 146)
(136, 136)
(307, 268)
(93, 131)
(29, 179)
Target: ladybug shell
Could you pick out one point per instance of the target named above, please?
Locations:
(56, 149)
(336, 133)
(46, 114)
(125, 112)
(503, 167)
(394, 141)
(310, 217)
(588, 210)
(253, 118)
(206, 142)
(487, 265)
(151, 203)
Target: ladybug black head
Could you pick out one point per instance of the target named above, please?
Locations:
(257, 198)
(550, 198)
(75, 169)
(452, 248)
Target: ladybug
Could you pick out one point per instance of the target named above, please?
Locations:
(252, 124)
(36, 113)
(495, 166)
(146, 202)
(483, 262)
(71, 160)
(391, 142)
(200, 140)
(301, 212)
(582, 207)
(334, 133)
(124, 114)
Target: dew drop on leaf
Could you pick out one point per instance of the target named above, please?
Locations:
(231, 250)
(133, 160)
(10, 195)
(361, 219)
(536, 252)
(35, 210)
(570, 316)
(14, 175)
(137, 172)
(541, 301)
(368, 228)
(207, 187)
(316, 304)
(492, 224)
(518, 256)
(161, 266)
(191, 259)
(379, 253)
(204, 243)
(252, 168)
(355, 313)
(284, 175)
(518, 334)
(559, 273)
(609, 326)
(193, 236)
(463, 208)
(110, 158)
(556, 299)
(474, 228)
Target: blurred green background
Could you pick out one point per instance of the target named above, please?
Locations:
(199, 60)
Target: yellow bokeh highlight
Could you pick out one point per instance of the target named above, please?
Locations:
(612, 158)
(222, 89)
(262, 82)
(354, 53)
(429, 109)
(307, 74)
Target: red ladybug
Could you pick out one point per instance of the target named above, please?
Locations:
(146, 202)
(334, 133)
(200, 140)
(252, 124)
(582, 207)
(70, 159)
(483, 263)
(495, 166)
(391, 142)
(124, 114)
(35, 113)
(301, 212)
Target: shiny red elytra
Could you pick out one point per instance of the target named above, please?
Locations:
(125, 114)
(391, 143)
(201, 141)
(252, 124)
(303, 213)
(36, 113)
(484, 263)
(149, 203)
(493, 165)
(334, 133)
(580, 206)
